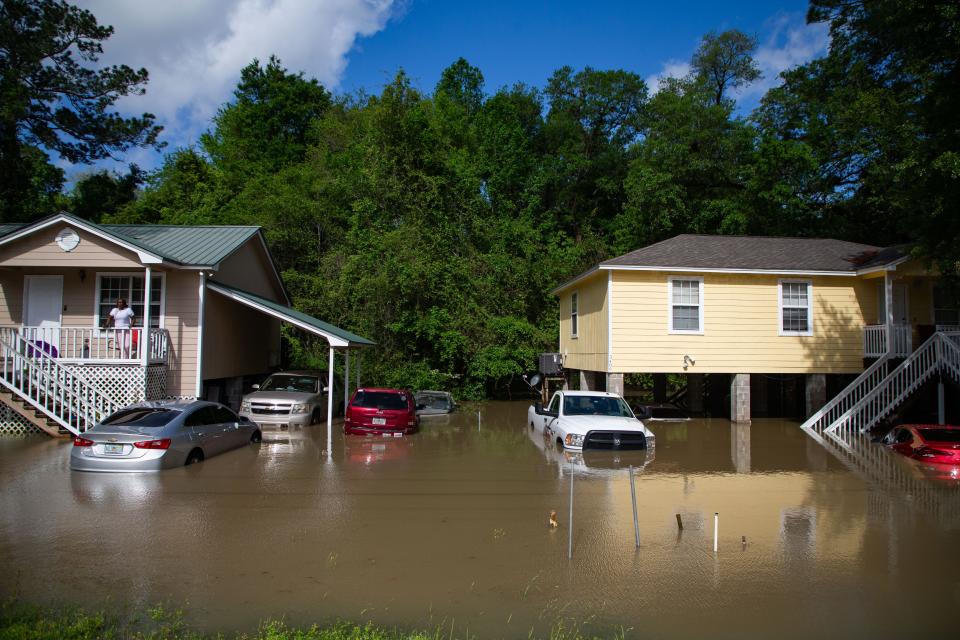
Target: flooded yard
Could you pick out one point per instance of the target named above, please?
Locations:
(450, 528)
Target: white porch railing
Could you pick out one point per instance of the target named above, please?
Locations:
(88, 344)
(875, 341)
(940, 353)
(50, 387)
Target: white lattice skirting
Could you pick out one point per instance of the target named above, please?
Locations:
(125, 383)
(12, 423)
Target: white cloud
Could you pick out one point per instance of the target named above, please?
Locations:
(790, 42)
(670, 69)
(194, 50)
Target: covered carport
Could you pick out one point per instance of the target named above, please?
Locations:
(337, 338)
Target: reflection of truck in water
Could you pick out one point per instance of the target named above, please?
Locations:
(591, 463)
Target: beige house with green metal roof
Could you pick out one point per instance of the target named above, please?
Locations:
(211, 316)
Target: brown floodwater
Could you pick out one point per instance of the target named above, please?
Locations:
(450, 528)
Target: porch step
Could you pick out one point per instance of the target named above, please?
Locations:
(32, 416)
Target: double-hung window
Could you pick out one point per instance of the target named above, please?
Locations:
(574, 313)
(796, 308)
(111, 286)
(686, 305)
(946, 311)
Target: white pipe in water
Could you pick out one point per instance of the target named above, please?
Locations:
(716, 527)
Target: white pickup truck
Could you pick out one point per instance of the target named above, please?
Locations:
(597, 420)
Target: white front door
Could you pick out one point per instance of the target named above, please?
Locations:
(42, 302)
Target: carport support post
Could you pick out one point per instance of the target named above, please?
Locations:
(346, 378)
(330, 405)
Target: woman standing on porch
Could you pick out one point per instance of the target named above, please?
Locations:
(121, 318)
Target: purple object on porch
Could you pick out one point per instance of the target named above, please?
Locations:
(42, 347)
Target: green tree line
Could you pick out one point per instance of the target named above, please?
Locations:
(437, 222)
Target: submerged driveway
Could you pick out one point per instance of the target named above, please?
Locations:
(450, 526)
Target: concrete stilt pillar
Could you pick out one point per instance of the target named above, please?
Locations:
(740, 397)
(695, 392)
(615, 383)
(588, 380)
(816, 393)
(659, 387)
(740, 446)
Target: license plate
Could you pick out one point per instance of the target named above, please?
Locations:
(379, 421)
(113, 449)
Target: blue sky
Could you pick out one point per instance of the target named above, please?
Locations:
(194, 49)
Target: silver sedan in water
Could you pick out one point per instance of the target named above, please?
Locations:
(158, 435)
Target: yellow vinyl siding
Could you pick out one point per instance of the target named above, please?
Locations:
(740, 326)
(588, 351)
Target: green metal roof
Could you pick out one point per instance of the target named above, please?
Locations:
(199, 246)
(290, 315)
(189, 245)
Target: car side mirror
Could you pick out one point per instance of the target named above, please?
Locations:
(255, 387)
(538, 408)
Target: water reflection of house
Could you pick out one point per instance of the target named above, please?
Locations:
(210, 316)
(754, 313)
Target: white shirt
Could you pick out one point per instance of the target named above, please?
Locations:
(121, 317)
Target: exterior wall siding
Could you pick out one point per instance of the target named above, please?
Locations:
(40, 249)
(183, 302)
(250, 269)
(740, 326)
(238, 340)
(588, 351)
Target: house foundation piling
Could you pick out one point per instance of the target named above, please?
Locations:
(740, 398)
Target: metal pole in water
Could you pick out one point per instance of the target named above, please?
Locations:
(570, 525)
(633, 498)
(716, 527)
(478, 421)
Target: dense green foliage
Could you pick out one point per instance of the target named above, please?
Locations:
(437, 223)
(50, 101)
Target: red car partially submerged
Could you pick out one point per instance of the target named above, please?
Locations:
(380, 412)
(931, 443)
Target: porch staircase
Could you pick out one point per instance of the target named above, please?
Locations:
(883, 387)
(45, 392)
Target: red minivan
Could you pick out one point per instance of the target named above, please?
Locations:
(386, 412)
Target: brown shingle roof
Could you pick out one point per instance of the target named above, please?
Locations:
(697, 252)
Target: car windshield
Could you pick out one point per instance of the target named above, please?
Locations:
(380, 400)
(595, 406)
(142, 417)
(301, 384)
(434, 400)
(940, 435)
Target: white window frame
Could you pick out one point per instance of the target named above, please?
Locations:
(689, 332)
(780, 329)
(97, 320)
(934, 308)
(574, 314)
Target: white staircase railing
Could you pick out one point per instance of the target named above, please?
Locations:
(817, 424)
(57, 392)
(939, 354)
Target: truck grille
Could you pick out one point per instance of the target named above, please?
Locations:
(615, 440)
(270, 410)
